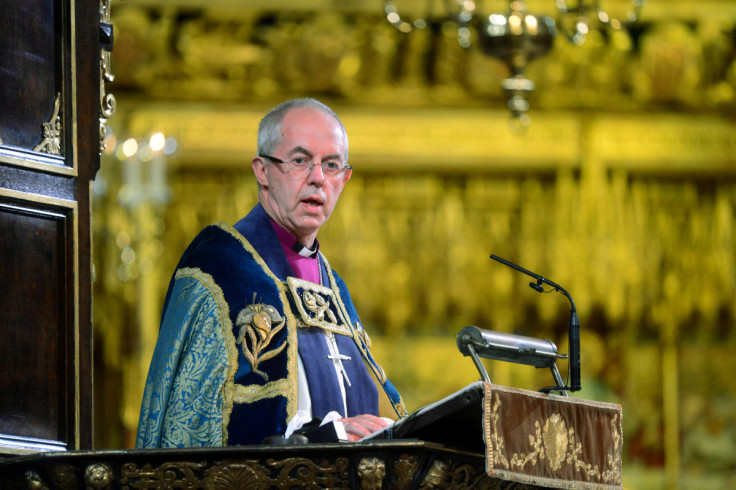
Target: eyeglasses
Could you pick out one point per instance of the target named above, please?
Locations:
(302, 165)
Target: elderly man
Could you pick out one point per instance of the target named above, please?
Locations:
(259, 336)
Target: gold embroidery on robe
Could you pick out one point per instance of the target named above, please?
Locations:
(259, 324)
(317, 307)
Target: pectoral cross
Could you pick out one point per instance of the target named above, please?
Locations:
(336, 357)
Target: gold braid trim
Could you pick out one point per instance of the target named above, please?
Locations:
(338, 299)
(253, 393)
(288, 386)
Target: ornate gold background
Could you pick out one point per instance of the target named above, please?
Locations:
(623, 190)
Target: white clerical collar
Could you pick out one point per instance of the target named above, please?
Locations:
(305, 252)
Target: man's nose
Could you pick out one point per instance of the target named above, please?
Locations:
(316, 172)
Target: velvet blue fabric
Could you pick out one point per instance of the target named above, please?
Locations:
(201, 389)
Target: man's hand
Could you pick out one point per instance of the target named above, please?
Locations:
(363, 425)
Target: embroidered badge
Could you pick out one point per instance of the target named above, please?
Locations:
(259, 324)
(317, 306)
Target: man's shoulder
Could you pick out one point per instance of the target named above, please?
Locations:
(340, 285)
(215, 243)
(214, 236)
(338, 280)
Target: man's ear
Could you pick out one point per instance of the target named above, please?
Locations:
(259, 169)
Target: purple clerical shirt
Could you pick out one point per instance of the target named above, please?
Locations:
(306, 268)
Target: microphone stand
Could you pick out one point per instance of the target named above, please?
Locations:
(573, 325)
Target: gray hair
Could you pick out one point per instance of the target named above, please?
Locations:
(269, 129)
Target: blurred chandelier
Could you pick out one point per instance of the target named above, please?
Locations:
(517, 37)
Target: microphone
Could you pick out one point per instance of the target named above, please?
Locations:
(536, 286)
(573, 324)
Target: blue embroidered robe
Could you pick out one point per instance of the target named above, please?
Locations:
(224, 370)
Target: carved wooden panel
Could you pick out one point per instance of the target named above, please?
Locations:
(50, 112)
(390, 464)
(37, 328)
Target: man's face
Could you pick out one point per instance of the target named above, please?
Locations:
(302, 203)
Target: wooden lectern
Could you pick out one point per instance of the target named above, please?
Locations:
(484, 436)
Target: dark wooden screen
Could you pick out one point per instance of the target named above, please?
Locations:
(49, 152)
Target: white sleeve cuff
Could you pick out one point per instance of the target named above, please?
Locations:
(297, 422)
